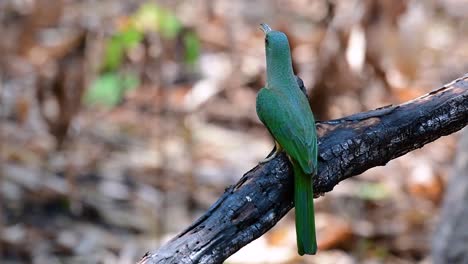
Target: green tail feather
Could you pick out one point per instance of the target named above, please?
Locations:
(305, 220)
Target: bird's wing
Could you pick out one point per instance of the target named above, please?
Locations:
(290, 121)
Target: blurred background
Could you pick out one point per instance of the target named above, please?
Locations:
(123, 121)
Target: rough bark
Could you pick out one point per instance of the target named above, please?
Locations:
(450, 242)
(347, 147)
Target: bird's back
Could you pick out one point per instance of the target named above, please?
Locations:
(286, 113)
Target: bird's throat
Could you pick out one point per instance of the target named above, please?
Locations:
(279, 68)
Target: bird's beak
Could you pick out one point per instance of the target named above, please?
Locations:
(265, 28)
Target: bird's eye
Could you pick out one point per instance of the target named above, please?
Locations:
(266, 41)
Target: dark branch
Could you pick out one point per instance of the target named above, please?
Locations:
(348, 147)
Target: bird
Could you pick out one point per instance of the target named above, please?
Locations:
(285, 111)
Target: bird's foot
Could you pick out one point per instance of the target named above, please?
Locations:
(269, 157)
(273, 153)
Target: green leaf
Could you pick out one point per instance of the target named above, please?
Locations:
(130, 37)
(117, 45)
(146, 18)
(109, 88)
(169, 25)
(114, 54)
(192, 47)
(151, 17)
(105, 90)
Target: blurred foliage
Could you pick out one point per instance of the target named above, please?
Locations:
(109, 88)
(192, 47)
(151, 17)
(118, 45)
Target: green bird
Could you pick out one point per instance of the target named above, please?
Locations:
(284, 109)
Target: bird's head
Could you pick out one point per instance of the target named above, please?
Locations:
(278, 54)
(276, 42)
